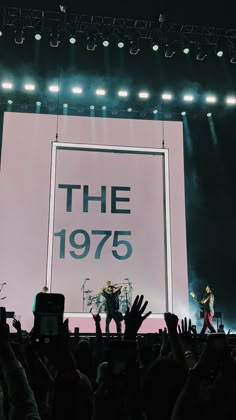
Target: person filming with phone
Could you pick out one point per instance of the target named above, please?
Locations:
(111, 294)
(207, 304)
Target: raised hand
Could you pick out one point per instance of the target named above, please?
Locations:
(171, 321)
(16, 324)
(134, 317)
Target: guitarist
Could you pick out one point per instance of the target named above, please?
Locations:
(207, 304)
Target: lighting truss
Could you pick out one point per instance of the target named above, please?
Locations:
(44, 21)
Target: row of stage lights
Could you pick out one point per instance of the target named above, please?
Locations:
(104, 108)
(201, 49)
(166, 96)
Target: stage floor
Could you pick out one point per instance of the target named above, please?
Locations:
(84, 321)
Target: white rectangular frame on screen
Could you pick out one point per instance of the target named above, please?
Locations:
(166, 206)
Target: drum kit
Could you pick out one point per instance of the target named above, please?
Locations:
(96, 303)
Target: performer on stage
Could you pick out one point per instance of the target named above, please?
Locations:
(111, 294)
(207, 304)
(44, 290)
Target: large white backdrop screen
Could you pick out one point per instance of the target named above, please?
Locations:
(25, 182)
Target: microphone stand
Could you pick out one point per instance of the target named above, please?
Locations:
(130, 290)
(82, 288)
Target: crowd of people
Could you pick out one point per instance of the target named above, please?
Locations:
(173, 374)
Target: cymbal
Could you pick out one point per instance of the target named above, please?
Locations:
(88, 291)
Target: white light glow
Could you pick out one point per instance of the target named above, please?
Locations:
(92, 107)
(54, 88)
(38, 103)
(166, 96)
(77, 89)
(10, 101)
(38, 36)
(72, 40)
(231, 100)
(211, 99)
(155, 47)
(155, 111)
(143, 95)
(7, 85)
(104, 107)
(183, 113)
(129, 109)
(120, 44)
(123, 93)
(209, 114)
(29, 86)
(220, 53)
(186, 50)
(188, 98)
(100, 92)
(105, 43)
(1, 33)
(65, 105)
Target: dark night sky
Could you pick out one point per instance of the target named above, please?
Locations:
(209, 167)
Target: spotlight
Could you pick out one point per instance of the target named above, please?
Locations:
(143, 95)
(166, 96)
(211, 99)
(65, 105)
(100, 92)
(77, 89)
(155, 111)
(105, 42)
(37, 36)
(54, 41)
(38, 103)
(91, 43)
(1, 33)
(19, 36)
(219, 48)
(29, 87)
(104, 107)
(72, 39)
(155, 46)
(186, 48)
(209, 114)
(7, 85)
(129, 109)
(54, 88)
(231, 100)
(10, 102)
(120, 43)
(188, 98)
(92, 107)
(123, 93)
(134, 47)
(183, 113)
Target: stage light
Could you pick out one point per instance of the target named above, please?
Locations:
(77, 90)
(188, 98)
(123, 93)
(65, 105)
(211, 99)
(105, 42)
(100, 92)
(1, 33)
(7, 85)
(54, 88)
(143, 95)
(37, 36)
(170, 50)
(183, 113)
(231, 100)
(104, 107)
(92, 107)
(72, 39)
(155, 46)
(134, 47)
(166, 96)
(54, 40)
(120, 43)
(129, 109)
(10, 102)
(155, 111)
(209, 114)
(91, 43)
(29, 87)
(233, 57)
(38, 103)
(19, 36)
(201, 52)
(219, 50)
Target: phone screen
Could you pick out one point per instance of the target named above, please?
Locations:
(48, 316)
